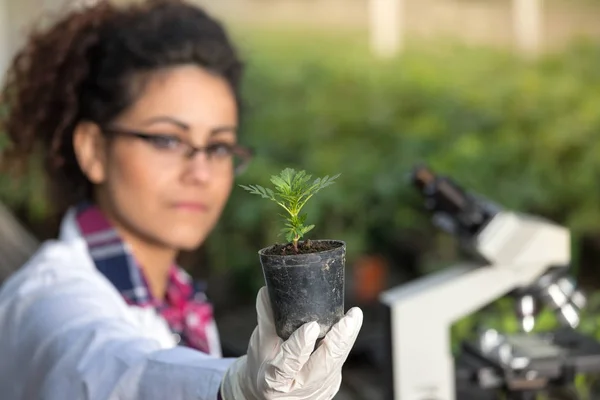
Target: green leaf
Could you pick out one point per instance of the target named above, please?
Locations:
(307, 229)
(280, 184)
(256, 189)
(302, 218)
(290, 236)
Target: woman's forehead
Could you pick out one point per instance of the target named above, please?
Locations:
(187, 94)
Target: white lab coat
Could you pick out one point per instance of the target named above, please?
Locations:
(67, 334)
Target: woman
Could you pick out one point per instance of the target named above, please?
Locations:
(135, 112)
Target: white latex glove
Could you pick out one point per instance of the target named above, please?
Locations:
(274, 369)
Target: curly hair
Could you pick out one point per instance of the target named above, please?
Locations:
(82, 69)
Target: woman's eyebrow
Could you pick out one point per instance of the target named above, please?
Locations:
(167, 119)
(182, 125)
(223, 129)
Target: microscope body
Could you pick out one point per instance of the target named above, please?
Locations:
(514, 253)
(520, 249)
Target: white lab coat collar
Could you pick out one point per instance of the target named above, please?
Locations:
(69, 231)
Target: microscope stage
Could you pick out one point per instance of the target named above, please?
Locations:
(528, 361)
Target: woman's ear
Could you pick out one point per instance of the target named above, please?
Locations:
(90, 150)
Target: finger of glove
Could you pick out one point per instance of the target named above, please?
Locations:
(264, 342)
(280, 376)
(264, 311)
(328, 358)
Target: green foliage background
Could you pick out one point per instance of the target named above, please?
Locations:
(523, 134)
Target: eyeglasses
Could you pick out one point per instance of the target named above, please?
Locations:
(172, 149)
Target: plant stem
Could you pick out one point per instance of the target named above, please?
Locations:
(295, 244)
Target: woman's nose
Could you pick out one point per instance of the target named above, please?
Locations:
(199, 167)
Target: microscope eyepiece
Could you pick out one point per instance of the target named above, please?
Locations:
(444, 195)
(461, 212)
(422, 177)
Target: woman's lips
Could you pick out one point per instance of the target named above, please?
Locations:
(191, 206)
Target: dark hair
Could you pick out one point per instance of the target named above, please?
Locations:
(81, 69)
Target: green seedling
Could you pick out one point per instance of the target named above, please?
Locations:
(292, 190)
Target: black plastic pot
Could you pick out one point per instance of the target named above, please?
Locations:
(306, 287)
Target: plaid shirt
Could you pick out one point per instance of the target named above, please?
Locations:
(185, 308)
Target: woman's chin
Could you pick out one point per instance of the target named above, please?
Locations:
(186, 241)
(189, 246)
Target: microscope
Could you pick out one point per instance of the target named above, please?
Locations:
(509, 254)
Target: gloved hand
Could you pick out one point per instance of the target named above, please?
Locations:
(274, 369)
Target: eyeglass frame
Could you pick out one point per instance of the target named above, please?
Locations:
(244, 152)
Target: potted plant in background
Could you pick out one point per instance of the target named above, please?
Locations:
(304, 278)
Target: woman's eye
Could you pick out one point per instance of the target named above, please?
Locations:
(219, 150)
(165, 142)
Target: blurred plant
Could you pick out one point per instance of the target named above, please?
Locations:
(24, 192)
